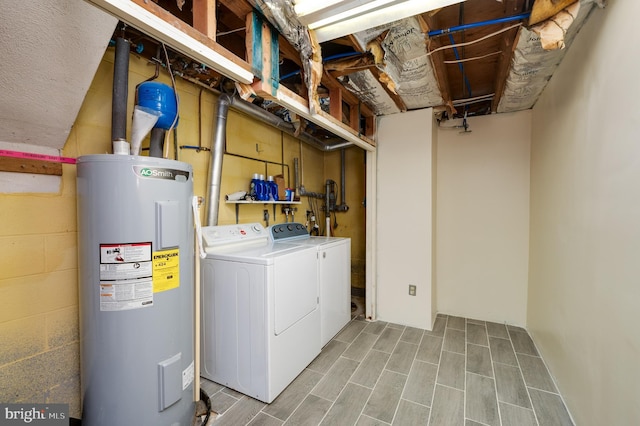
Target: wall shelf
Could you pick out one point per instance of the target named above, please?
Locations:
(274, 203)
(262, 202)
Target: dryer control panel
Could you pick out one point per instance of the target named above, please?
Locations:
(290, 230)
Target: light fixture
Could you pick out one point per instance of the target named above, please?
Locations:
(336, 18)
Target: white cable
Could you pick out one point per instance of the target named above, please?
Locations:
(196, 221)
(165, 153)
(451, 46)
(471, 59)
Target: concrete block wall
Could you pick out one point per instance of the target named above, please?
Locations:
(39, 348)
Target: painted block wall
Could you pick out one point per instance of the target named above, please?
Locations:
(584, 293)
(404, 218)
(482, 225)
(39, 344)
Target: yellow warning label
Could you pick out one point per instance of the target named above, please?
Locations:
(166, 270)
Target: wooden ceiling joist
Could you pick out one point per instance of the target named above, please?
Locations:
(263, 53)
(437, 62)
(509, 43)
(204, 17)
(163, 26)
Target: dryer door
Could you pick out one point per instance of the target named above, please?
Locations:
(295, 287)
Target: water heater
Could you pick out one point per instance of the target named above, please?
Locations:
(136, 282)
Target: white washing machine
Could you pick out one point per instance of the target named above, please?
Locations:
(334, 274)
(260, 312)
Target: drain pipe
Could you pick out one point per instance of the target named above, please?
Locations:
(342, 207)
(156, 142)
(120, 90)
(217, 152)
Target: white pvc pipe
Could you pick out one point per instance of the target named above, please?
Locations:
(196, 301)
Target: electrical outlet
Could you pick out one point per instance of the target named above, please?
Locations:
(412, 290)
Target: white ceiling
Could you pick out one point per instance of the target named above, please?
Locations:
(50, 52)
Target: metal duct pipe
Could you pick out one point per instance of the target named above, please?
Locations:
(217, 152)
(275, 121)
(120, 90)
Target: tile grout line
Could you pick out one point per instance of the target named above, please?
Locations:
(435, 382)
(522, 376)
(553, 379)
(348, 381)
(466, 351)
(415, 355)
(378, 379)
(385, 369)
(495, 377)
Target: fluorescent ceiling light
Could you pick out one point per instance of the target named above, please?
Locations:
(306, 7)
(337, 16)
(334, 18)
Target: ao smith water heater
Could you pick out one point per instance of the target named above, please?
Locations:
(136, 279)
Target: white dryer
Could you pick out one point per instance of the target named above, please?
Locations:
(334, 274)
(260, 312)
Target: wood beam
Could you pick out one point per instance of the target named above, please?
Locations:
(370, 127)
(350, 65)
(288, 51)
(298, 105)
(263, 52)
(240, 8)
(25, 165)
(204, 17)
(354, 116)
(152, 19)
(392, 94)
(508, 46)
(335, 103)
(330, 83)
(437, 62)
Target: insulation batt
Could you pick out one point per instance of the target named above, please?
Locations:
(532, 66)
(553, 30)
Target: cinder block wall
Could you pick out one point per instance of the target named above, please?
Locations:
(39, 352)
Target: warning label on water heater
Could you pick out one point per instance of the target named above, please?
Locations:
(126, 276)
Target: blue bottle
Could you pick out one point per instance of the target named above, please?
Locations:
(273, 189)
(254, 186)
(263, 189)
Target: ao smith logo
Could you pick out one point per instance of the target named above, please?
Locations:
(161, 173)
(156, 173)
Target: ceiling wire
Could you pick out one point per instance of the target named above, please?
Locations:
(475, 58)
(468, 43)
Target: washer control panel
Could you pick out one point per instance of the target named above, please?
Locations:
(229, 234)
(283, 231)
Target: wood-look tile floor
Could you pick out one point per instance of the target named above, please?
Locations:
(463, 373)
